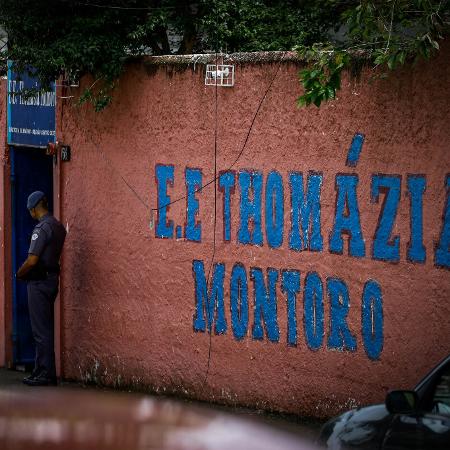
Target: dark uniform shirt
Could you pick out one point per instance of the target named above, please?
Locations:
(47, 242)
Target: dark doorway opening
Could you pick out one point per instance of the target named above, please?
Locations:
(31, 170)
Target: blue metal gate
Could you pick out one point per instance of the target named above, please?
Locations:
(31, 170)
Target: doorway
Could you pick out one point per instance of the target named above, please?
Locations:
(31, 170)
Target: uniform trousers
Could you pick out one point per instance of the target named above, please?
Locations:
(41, 300)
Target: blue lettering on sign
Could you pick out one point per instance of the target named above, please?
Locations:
(305, 213)
(226, 185)
(384, 248)
(250, 210)
(239, 301)
(442, 254)
(290, 284)
(416, 187)
(207, 304)
(164, 176)
(372, 319)
(265, 304)
(313, 311)
(274, 209)
(347, 217)
(193, 179)
(340, 336)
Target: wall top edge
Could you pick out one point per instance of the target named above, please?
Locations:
(223, 58)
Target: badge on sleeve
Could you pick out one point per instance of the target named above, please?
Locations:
(34, 237)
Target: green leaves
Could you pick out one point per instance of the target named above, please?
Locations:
(257, 25)
(66, 37)
(385, 34)
(323, 79)
(69, 37)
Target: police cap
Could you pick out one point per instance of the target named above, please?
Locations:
(34, 198)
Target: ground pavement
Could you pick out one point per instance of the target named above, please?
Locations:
(307, 428)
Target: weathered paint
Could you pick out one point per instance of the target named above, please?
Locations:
(5, 259)
(330, 280)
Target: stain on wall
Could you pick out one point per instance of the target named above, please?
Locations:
(326, 281)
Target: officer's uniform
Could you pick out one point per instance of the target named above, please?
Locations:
(47, 242)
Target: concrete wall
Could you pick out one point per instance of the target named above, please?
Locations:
(375, 262)
(5, 233)
(2, 224)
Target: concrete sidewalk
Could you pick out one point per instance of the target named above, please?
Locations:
(306, 427)
(12, 379)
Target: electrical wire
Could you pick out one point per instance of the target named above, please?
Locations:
(214, 180)
(123, 179)
(130, 8)
(243, 146)
(215, 204)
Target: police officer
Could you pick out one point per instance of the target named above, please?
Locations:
(41, 271)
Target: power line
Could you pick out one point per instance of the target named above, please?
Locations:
(123, 179)
(133, 8)
(215, 174)
(215, 204)
(215, 178)
(243, 147)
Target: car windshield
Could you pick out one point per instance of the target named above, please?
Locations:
(423, 382)
(441, 397)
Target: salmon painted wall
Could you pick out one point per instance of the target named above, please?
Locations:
(330, 280)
